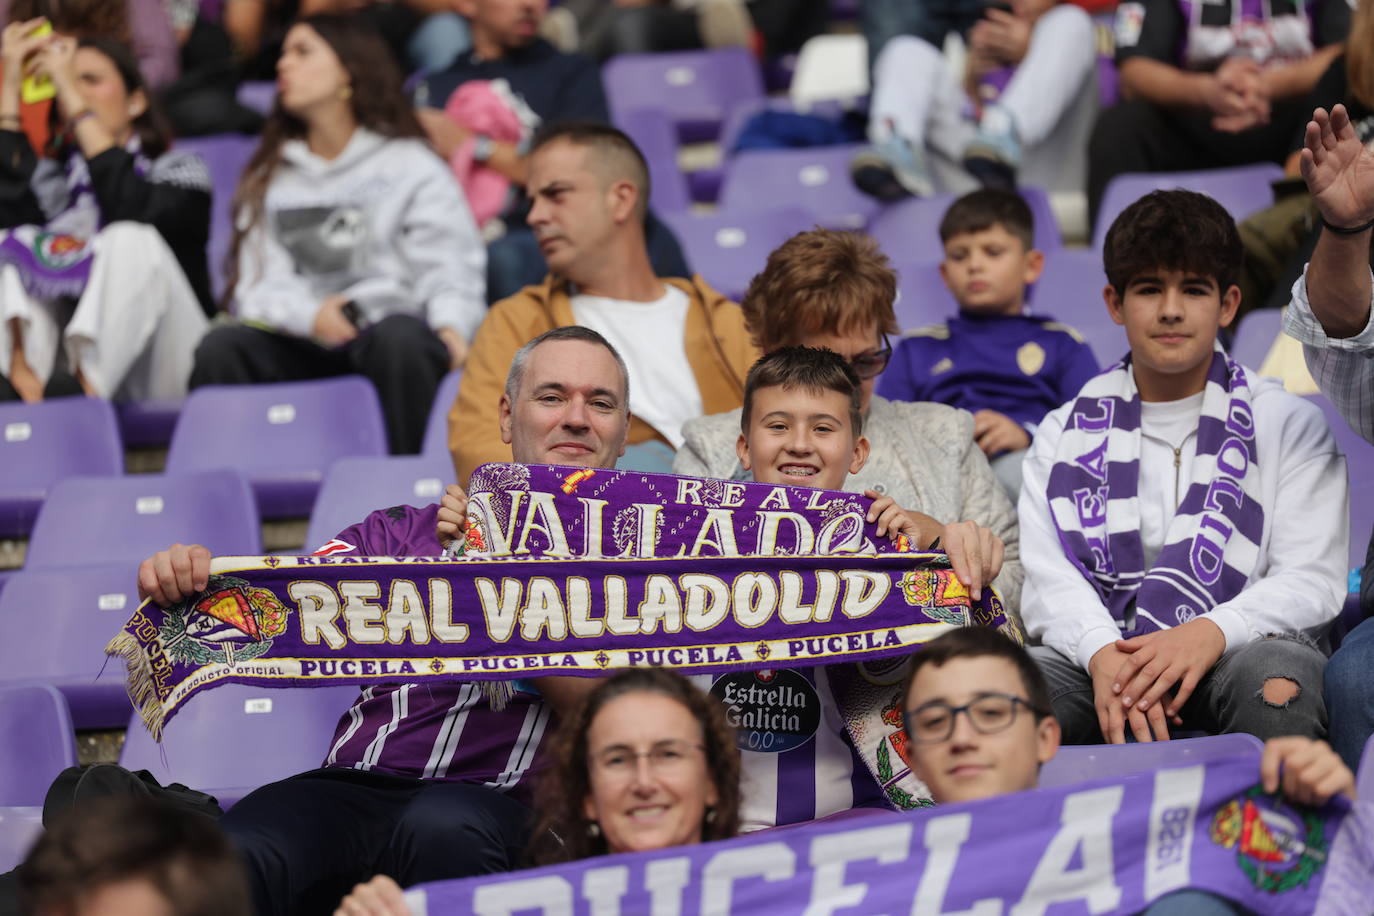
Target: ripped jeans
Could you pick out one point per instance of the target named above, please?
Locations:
(1230, 698)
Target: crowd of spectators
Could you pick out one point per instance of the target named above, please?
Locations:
(1173, 567)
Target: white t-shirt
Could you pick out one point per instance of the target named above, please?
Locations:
(1164, 426)
(650, 337)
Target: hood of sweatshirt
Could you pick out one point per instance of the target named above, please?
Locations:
(362, 145)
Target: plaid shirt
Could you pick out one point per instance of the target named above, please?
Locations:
(1344, 369)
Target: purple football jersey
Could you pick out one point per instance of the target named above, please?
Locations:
(435, 730)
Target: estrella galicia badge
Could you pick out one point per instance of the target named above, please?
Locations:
(772, 710)
(1278, 846)
(229, 622)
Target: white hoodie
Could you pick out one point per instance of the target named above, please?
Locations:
(384, 223)
(1298, 584)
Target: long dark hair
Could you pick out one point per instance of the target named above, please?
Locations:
(109, 18)
(562, 834)
(378, 104)
(152, 129)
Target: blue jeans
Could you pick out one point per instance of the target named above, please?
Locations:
(1350, 694)
(930, 20)
(1191, 903)
(437, 42)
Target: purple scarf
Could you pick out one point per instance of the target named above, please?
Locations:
(1212, 542)
(599, 570)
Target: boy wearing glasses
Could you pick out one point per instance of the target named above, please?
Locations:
(979, 724)
(1005, 367)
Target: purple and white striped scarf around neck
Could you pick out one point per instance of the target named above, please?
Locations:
(1212, 543)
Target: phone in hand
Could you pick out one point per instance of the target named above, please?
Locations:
(40, 88)
(354, 315)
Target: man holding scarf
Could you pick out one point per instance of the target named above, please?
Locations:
(1183, 521)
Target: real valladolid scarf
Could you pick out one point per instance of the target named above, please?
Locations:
(1212, 543)
(577, 571)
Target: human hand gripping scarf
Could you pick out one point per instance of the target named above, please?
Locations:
(1212, 543)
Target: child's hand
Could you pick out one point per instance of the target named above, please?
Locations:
(1001, 35)
(1311, 771)
(1158, 661)
(891, 518)
(996, 433)
(453, 515)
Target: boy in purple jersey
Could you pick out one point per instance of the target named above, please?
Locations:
(423, 782)
(1003, 366)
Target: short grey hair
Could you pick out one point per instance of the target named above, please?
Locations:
(567, 332)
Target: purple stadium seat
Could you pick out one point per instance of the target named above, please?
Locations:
(19, 827)
(231, 739)
(922, 296)
(816, 178)
(353, 487)
(728, 249)
(1070, 290)
(90, 520)
(1359, 459)
(653, 132)
(436, 429)
(225, 156)
(694, 88)
(81, 609)
(39, 742)
(1255, 335)
(283, 437)
(1081, 763)
(147, 424)
(909, 231)
(1241, 190)
(258, 95)
(42, 443)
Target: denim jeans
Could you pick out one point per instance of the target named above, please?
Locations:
(1229, 698)
(1350, 694)
(931, 20)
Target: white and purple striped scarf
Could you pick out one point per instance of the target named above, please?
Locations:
(1212, 542)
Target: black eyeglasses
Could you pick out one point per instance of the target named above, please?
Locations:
(933, 722)
(871, 364)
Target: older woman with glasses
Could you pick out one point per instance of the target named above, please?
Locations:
(835, 290)
(647, 761)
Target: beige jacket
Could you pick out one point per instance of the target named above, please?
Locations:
(718, 350)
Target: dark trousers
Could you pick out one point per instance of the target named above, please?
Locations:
(400, 354)
(306, 841)
(1142, 137)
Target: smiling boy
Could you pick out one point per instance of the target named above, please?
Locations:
(1184, 521)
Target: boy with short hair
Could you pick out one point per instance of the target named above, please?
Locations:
(801, 426)
(1184, 521)
(1005, 367)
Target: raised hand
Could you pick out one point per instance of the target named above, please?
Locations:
(1338, 169)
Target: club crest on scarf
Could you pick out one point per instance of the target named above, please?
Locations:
(229, 621)
(1277, 846)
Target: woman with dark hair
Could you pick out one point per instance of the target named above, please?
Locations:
(102, 257)
(646, 762)
(354, 250)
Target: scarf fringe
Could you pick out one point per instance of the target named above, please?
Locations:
(139, 682)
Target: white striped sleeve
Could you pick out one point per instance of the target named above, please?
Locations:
(1343, 368)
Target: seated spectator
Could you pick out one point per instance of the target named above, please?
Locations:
(834, 290)
(538, 85)
(1185, 520)
(643, 740)
(1026, 67)
(1207, 85)
(603, 28)
(994, 749)
(1003, 366)
(116, 223)
(684, 343)
(141, 24)
(125, 854)
(354, 249)
(1332, 313)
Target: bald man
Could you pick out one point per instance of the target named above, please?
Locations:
(685, 344)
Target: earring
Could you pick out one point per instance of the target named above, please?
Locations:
(593, 830)
(710, 815)
(346, 93)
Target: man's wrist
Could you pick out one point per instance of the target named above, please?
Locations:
(1345, 230)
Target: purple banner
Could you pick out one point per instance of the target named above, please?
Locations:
(1111, 846)
(560, 598)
